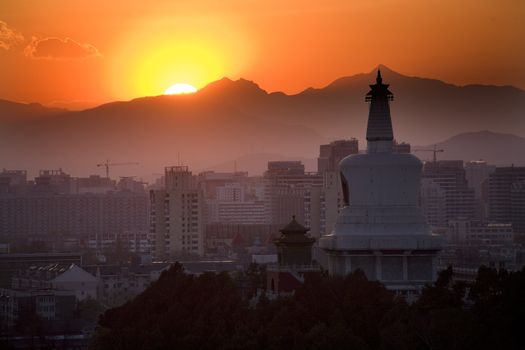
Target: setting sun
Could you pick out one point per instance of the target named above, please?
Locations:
(170, 54)
(180, 88)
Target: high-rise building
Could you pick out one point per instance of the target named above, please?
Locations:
(13, 181)
(331, 154)
(14, 177)
(94, 184)
(237, 212)
(381, 230)
(505, 196)
(44, 213)
(128, 183)
(176, 215)
(233, 198)
(517, 211)
(433, 203)
(401, 147)
(287, 190)
(477, 174)
(459, 197)
(55, 181)
(219, 184)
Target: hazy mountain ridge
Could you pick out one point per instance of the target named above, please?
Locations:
(16, 112)
(482, 145)
(228, 119)
(494, 148)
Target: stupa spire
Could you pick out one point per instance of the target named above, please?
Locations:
(379, 80)
(379, 120)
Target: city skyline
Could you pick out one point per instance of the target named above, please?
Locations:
(389, 227)
(248, 174)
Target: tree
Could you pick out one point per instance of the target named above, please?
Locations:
(90, 309)
(207, 312)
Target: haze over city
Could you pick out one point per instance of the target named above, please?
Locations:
(262, 174)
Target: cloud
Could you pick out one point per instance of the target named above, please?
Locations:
(9, 36)
(60, 49)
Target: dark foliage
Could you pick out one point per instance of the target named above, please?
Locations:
(208, 312)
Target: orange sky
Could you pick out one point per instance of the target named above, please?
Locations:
(79, 53)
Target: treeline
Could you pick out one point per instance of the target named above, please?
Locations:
(207, 312)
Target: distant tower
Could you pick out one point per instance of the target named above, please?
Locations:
(381, 230)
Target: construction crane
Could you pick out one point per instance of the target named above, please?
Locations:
(435, 150)
(107, 164)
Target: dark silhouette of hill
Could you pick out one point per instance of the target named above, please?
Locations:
(424, 110)
(228, 119)
(14, 111)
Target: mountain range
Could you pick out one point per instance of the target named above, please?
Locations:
(228, 120)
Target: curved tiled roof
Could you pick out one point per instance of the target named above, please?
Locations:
(294, 227)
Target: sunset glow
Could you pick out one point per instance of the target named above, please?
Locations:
(171, 54)
(139, 49)
(181, 88)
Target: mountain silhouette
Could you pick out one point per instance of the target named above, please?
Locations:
(229, 119)
(495, 148)
(15, 112)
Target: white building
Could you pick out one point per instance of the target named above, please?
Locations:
(230, 192)
(381, 230)
(59, 277)
(176, 215)
(120, 283)
(231, 205)
(138, 242)
(237, 212)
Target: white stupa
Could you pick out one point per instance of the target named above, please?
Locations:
(381, 230)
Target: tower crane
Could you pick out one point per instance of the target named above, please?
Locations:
(435, 150)
(107, 164)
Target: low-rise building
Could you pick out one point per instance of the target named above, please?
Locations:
(11, 264)
(139, 242)
(58, 277)
(119, 283)
(48, 304)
